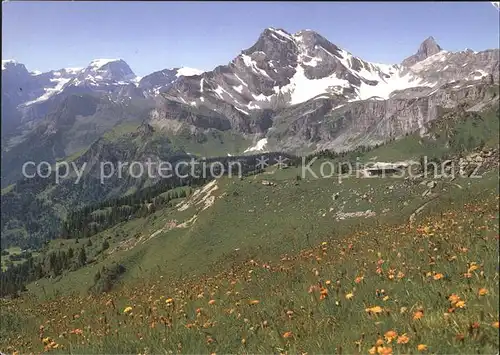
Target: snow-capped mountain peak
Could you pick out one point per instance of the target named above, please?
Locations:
(186, 71)
(14, 72)
(8, 62)
(103, 73)
(282, 69)
(98, 63)
(72, 70)
(160, 81)
(109, 70)
(11, 63)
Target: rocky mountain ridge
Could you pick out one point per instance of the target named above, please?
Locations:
(295, 92)
(299, 76)
(283, 69)
(29, 96)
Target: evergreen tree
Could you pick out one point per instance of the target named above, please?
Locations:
(105, 245)
(82, 257)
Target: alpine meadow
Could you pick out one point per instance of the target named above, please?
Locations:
(298, 199)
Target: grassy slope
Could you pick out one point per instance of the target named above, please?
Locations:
(290, 215)
(446, 241)
(212, 144)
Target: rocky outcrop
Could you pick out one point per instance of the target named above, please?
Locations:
(428, 48)
(326, 126)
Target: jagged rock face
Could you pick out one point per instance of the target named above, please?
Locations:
(14, 76)
(303, 78)
(20, 87)
(274, 45)
(158, 81)
(279, 70)
(427, 48)
(282, 69)
(101, 76)
(444, 67)
(327, 126)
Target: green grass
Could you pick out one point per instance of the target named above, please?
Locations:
(211, 144)
(8, 189)
(450, 236)
(14, 251)
(120, 130)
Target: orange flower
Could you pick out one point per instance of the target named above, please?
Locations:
(482, 292)
(390, 335)
(76, 331)
(287, 335)
(384, 350)
(358, 279)
(418, 315)
(211, 302)
(323, 293)
(460, 304)
(438, 276)
(422, 347)
(453, 298)
(495, 324)
(473, 267)
(403, 339)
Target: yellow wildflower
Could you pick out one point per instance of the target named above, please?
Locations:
(422, 347)
(482, 292)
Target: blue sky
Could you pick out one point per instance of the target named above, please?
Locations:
(152, 36)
